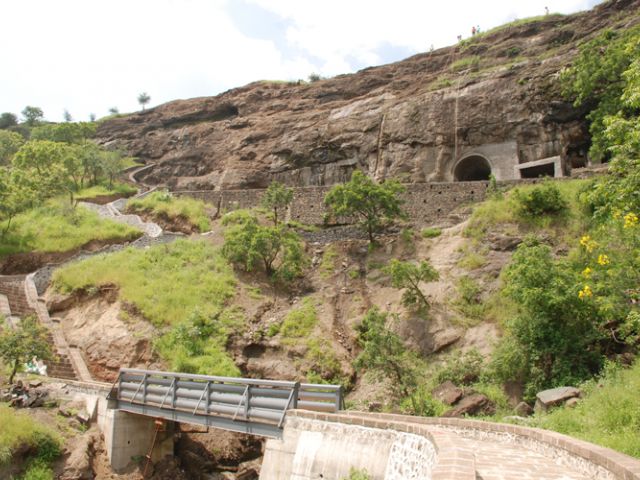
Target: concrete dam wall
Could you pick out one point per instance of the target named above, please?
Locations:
(311, 449)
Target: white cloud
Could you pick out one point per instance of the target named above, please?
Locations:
(89, 55)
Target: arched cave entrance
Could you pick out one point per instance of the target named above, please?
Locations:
(472, 168)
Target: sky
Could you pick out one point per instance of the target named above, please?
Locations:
(87, 56)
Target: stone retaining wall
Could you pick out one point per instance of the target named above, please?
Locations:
(425, 203)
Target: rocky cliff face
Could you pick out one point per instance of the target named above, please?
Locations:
(483, 106)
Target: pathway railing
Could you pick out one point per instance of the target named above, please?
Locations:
(238, 404)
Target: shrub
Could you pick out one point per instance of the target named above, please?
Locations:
(461, 369)
(431, 232)
(163, 204)
(409, 276)
(541, 200)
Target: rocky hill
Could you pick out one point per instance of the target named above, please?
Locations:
(482, 106)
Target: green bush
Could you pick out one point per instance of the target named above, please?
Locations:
(541, 200)
(462, 369)
(300, 322)
(357, 474)
(431, 232)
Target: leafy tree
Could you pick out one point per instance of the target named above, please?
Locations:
(408, 275)
(373, 204)
(19, 346)
(15, 196)
(47, 168)
(114, 111)
(111, 163)
(10, 143)
(277, 199)
(32, 115)
(553, 341)
(385, 355)
(65, 132)
(8, 119)
(278, 249)
(598, 79)
(67, 116)
(143, 99)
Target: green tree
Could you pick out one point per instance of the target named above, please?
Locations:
(371, 203)
(32, 115)
(597, 81)
(10, 143)
(18, 346)
(111, 164)
(408, 275)
(385, 355)
(92, 117)
(278, 249)
(556, 333)
(15, 196)
(114, 111)
(143, 99)
(277, 199)
(67, 116)
(8, 119)
(47, 168)
(65, 132)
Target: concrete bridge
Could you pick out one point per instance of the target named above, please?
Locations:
(310, 436)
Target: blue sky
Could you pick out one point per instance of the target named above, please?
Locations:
(87, 56)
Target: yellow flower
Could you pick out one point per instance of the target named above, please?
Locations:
(617, 214)
(588, 243)
(586, 273)
(603, 259)
(630, 220)
(585, 292)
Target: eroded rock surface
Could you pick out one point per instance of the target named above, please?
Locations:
(494, 97)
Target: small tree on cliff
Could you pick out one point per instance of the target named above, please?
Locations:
(276, 199)
(371, 203)
(408, 275)
(18, 346)
(143, 99)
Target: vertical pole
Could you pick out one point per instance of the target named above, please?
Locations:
(246, 403)
(296, 392)
(174, 393)
(339, 401)
(144, 388)
(207, 398)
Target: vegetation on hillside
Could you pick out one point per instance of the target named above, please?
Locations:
(195, 318)
(165, 206)
(56, 227)
(609, 413)
(20, 431)
(19, 345)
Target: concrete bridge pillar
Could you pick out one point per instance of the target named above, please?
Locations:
(129, 436)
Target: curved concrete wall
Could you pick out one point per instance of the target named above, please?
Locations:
(312, 449)
(378, 442)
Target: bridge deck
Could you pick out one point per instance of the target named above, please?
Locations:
(241, 405)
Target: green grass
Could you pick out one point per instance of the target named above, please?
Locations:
(329, 261)
(122, 189)
(19, 430)
(163, 204)
(56, 227)
(166, 283)
(609, 415)
(465, 63)
(300, 322)
(431, 232)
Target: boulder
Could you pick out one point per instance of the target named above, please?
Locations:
(444, 338)
(504, 243)
(553, 397)
(523, 409)
(447, 393)
(474, 404)
(572, 402)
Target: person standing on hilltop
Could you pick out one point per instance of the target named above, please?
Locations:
(473, 31)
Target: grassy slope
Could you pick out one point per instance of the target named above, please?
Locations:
(18, 430)
(55, 227)
(103, 190)
(163, 204)
(164, 282)
(609, 415)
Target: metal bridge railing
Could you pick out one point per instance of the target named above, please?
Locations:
(237, 404)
